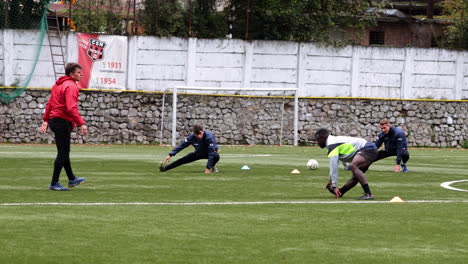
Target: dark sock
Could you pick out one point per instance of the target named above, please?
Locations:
(366, 188)
(343, 190)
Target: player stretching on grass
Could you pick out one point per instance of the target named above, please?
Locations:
(357, 151)
(62, 116)
(205, 148)
(395, 143)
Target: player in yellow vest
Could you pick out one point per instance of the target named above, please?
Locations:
(357, 151)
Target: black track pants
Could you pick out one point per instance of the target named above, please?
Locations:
(191, 157)
(62, 132)
(385, 154)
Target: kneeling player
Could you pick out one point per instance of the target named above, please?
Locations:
(395, 143)
(205, 148)
(357, 151)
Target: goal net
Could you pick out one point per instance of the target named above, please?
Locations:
(248, 116)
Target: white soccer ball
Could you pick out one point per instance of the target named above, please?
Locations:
(312, 164)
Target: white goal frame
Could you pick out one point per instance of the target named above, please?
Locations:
(176, 89)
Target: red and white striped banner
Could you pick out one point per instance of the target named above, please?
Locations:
(104, 61)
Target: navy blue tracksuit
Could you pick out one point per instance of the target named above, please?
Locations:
(205, 148)
(395, 145)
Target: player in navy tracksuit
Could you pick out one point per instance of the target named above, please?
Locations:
(205, 148)
(395, 145)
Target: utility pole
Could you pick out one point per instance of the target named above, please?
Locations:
(5, 12)
(190, 18)
(135, 23)
(247, 15)
(127, 20)
(430, 9)
(462, 23)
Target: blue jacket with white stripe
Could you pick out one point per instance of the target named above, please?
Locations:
(205, 147)
(395, 142)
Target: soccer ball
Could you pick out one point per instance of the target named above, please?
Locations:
(312, 164)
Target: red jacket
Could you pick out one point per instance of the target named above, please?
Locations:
(63, 102)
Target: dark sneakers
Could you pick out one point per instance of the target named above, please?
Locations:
(404, 167)
(75, 182)
(71, 184)
(162, 168)
(57, 187)
(366, 196)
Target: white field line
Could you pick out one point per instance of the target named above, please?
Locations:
(446, 185)
(231, 203)
(249, 155)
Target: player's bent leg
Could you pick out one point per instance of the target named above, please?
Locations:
(191, 157)
(348, 185)
(215, 160)
(358, 162)
(364, 169)
(362, 160)
(404, 159)
(405, 156)
(382, 154)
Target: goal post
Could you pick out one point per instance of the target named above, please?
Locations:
(177, 89)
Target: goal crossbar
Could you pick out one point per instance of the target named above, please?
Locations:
(174, 104)
(232, 88)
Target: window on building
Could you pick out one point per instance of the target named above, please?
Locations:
(377, 38)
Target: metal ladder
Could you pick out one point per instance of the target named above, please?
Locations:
(55, 45)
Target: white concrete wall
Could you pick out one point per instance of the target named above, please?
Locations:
(18, 51)
(26, 48)
(327, 71)
(158, 63)
(2, 51)
(217, 63)
(462, 76)
(381, 72)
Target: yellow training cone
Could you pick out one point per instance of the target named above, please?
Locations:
(295, 171)
(396, 199)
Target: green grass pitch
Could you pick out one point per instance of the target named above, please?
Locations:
(174, 222)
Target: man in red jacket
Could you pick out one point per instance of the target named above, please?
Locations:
(62, 116)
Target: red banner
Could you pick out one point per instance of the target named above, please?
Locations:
(104, 61)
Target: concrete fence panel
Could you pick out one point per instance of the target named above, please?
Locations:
(155, 64)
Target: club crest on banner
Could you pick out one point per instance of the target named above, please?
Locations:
(103, 59)
(96, 49)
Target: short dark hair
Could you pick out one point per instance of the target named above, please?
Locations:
(322, 133)
(384, 122)
(197, 129)
(71, 68)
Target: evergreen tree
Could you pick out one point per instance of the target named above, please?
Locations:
(103, 16)
(299, 20)
(456, 35)
(163, 18)
(4, 12)
(204, 21)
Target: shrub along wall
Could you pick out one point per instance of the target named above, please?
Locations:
(138, 118)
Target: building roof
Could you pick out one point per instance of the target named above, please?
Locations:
(390, 12)
(64, 9)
